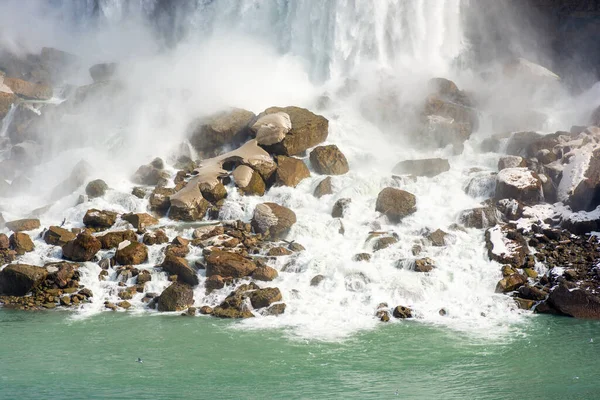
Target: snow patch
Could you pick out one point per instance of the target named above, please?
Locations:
(574, 172)
(521, 178)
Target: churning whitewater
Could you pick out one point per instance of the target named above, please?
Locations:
(363, 65)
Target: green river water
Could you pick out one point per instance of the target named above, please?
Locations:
(51, 355)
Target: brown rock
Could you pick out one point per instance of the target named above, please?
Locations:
(362, 257)
(273, 218)
(19, 279)
(23, 225)
(424, 264)
(323, 188)
(176, 297)
(438, 238)
(402, 312)
(265, 273)
(329, 160)
(384, 242)
(396, 204)
(83, 248)
(112, 239)
(160, 199)
(279, 251)
(340, 207)
(206, 310)
(249, 181)
(214, 282)
(6, 101)
(228, 264)
(265, 297)
(575, 303)
(155, 237)
(511, 283)
(28, 90)
(132, 254)
(21, 243)
(480, 218)
(225, 128)
(96, 188)
(308, 130)
(140, 220)
(520, 184)
(99, 219)
(4, 242)
(290, 171)
(179, 266)
(58, 236)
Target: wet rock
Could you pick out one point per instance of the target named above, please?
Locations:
(520, 184)
(4, 242)
(214, 193)
(155, 237)
(438, 238)
(275, 309)
(235, 305)
(273, 219)
(139, 192)
(316, 280)
(228, 264)
(140, 220)
(112, 239)
(160, 199)
(23, 225)
(83, 248)
(265, 297)
(290, 171)
(308, 130)
(329, 160)
(272, 128)
(177, 250)
(511, 162)
(230, 127)
(519, 143)
(151, 174)
(480, 218)
(510, 208)
(206, 310)
(574, 302)
(507, 246)
(296, 247)
(96, 188)
(532, 293)
(426, 167)
(133, 253)
(402, 312)
(102, 72)
(323, 188)
(76, 179)
(214, 282)
(58, 236)
(362, 257)
(98, 219)
(179, 266)
(424, 264)
(28, 90)
(511, 283)
(249, 181)
(384, 243)
(279, 251)
(340, 207)
(395, 204)
(188, 204)
(265, 273)
(21, 243)
(20, 279)
(176, 297)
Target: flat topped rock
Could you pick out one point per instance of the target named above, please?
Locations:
(23, 225)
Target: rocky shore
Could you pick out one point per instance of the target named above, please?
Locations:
(538, 222)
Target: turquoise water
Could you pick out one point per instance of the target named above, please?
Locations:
(52, 355)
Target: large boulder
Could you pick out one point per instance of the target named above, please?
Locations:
(176, 297)
(99, 219)
(396, 204)
(23, 225)
(131, 253)
(329, 160)
(20, 279)
(249, 181)
(480, 217)
(27, 89)
(140, 220)
(265, 297)
(160, 199)
(574, 302)
(57, 236)
(83, 248)
(580, 183)
(426, 167)
(308, 130)
(323, 188)
(506, 245)
(111, 240)
(290, 171)
(102, 72)
(21, 243)
(151, 174)
(226, 128)
(96, 188)
(520, 184)
(226, 264)
(272, 128)
(273, 219)
(179, 266)
(235, 305)
(188, 204)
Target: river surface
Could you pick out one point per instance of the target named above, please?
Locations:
(53, 355)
